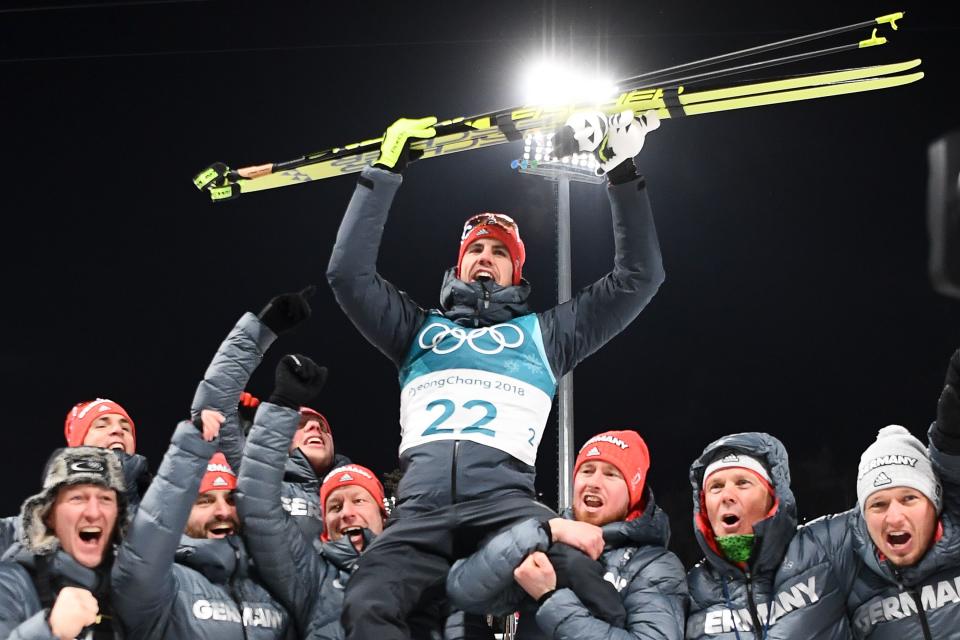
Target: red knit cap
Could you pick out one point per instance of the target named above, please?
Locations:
(307, 412)
(625, 450)
(219, 475)
(496, 226)
(352, 474)
(81, 417)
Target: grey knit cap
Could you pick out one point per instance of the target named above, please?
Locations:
(897, 459)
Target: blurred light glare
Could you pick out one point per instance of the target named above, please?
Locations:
(550, 83)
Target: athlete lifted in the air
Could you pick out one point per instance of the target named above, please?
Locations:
(477, 375)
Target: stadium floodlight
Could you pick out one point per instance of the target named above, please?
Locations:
(551, 83)
(550, 86)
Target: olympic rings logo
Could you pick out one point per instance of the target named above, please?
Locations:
(430, 339)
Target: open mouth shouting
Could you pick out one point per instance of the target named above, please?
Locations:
(592, 501)
(483, 275)
(314, 441)
(730, 522)
(221, 529)
(356, 536)
(90, 537)
(89, 545)
(899, 542)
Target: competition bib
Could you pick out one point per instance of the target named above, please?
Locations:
(490, 385)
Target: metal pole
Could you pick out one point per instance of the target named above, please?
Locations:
(565, 395)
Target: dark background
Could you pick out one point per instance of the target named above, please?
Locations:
(797, 299)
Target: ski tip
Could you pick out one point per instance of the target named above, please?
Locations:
(891, 19)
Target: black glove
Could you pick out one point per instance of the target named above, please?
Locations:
(584, 576)
(298, 381)
(287, 310)
(946, 431)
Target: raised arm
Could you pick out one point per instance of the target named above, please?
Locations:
(237, 358)
(287, 562)
(386, 316)
(944, 436)
(144, 587)
(580, 326)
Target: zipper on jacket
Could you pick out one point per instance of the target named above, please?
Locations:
(235, 595)
(453, 471)
(921, 614)
(757, 627)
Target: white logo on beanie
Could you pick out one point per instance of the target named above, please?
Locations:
(882, 479)
(731, 457)
(606, 438)
(593, 452)
(636, 479)
(345, 478)
(216, 467)
(883, 461)
(219, 482)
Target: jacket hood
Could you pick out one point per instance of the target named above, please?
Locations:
(342, 554)
(481, 304)
(652, 527)
(774, 533)
(62, 566)
(297, 469)
(218, 560)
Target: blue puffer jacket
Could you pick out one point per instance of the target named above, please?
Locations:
(920, 601)
(796, 581)
(168, 586)
(650, 580)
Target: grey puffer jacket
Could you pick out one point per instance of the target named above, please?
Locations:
(796, 581)
(920, 601)
(226, 377)
(443, 472)
(300, 492)
(9, 532)
(240, 353)
(309, 583)
(23, 611)
(168, 586)
(649, 578)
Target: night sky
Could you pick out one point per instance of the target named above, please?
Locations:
(794, 237)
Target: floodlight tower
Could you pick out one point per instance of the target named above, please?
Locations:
(538, 159)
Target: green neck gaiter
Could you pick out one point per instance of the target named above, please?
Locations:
(736, 548)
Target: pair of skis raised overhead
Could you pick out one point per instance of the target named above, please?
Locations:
(684, 90)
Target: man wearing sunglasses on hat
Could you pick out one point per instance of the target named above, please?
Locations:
(478, 374)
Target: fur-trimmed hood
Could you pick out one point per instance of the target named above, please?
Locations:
(67, 467)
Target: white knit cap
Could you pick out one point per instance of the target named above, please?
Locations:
(897, 459)
(739, 460)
